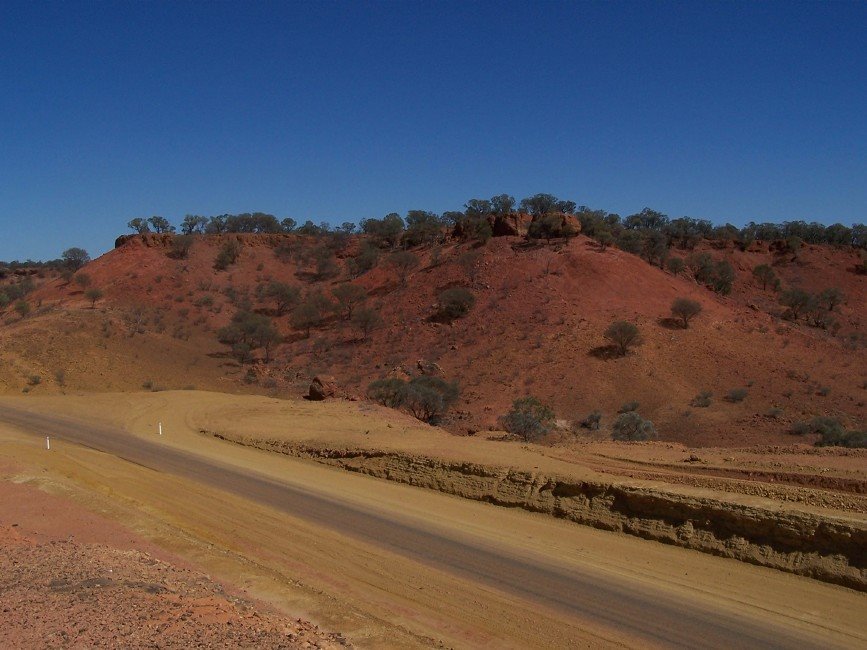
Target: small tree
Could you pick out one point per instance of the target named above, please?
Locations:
(455, 303)
(161, 224)
(306, 316)
(139, 225)
(797, 300)
(605, 239)
(348, 297)
(830, 298)
(723, 278)
(428, 398)
(765, 274)
(631, 427)
(623, 335)
(93, 294)
(365, 320)
(75, 258)
(285, 296)
(529, 418)
(404, 262)
(248, 331)
(685, 309)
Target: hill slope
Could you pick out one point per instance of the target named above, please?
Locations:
(536, 328)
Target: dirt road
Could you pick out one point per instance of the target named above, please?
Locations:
(617, 607)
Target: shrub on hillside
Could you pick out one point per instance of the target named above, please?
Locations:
(528, 418)
(632, 427)
(623, 335)
(765, 274)
(831, 433)
(702, 400)
(365, 320)
(404, 262)
(181, 245)
(348, 297)
(676, 265)
(797, 301)
(736, 395)
(592, 421)
(93, 294)
(685, 310)
(228, 255)
(455, 303)
(247, 332)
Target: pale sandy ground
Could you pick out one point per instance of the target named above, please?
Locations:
(360, 425)
(377, 598)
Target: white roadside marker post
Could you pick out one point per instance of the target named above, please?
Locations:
(161, 428)
(48, 443)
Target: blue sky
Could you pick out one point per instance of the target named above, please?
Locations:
(339, 111)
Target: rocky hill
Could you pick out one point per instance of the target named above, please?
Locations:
(535, 327)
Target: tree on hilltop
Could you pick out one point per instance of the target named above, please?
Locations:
(74, 258)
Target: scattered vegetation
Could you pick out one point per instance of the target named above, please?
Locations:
(831, 433)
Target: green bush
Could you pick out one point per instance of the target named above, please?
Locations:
(427, 398)
(631, 427)
(529, 418)
(702, 400)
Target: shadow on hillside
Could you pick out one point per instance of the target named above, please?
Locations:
(605, 352)
(670, 323)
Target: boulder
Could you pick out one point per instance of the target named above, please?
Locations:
(322, 387)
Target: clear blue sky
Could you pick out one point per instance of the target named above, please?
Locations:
(337, 111)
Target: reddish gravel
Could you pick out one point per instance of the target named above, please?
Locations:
(63, 593)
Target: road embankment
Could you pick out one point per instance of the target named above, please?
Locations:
(825, 548)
